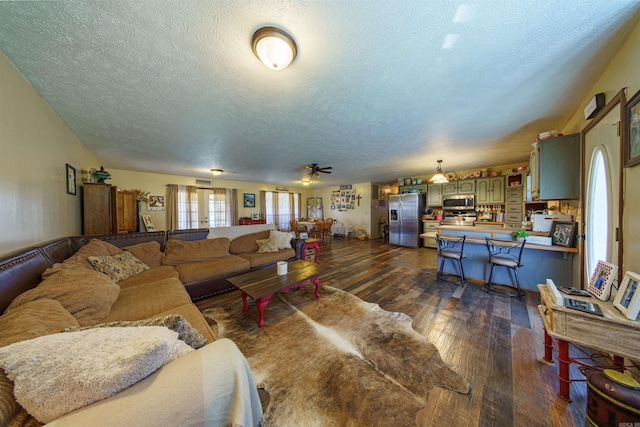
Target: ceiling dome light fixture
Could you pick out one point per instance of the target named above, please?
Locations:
(216, 171)
(438, 178)
(274, 47)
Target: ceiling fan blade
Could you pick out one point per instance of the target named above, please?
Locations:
(320, 170)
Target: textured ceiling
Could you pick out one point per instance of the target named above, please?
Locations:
(379, 90)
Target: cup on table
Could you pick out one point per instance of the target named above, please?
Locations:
(281, 268)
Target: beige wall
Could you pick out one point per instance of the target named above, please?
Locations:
(622, 72)
(35, 146)
(360, 217)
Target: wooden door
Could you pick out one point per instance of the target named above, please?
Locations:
(96, 209)
(125, 207)
(467, 186)
(496, 190)
(483, 192)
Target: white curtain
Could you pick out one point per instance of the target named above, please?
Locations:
(182, 207)
(280, 208)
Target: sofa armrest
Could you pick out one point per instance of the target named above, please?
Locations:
(298, 245)
(212, 385)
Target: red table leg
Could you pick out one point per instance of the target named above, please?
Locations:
(316, 281)
(261, 303)
(548, 348)
(563, 370)
(245, 306)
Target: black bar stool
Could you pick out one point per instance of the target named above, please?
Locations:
(505, 253)
(451, 247)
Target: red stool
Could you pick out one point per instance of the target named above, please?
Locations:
(312, 243)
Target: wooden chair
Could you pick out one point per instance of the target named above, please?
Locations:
(327, 228)
(318, 230)
(295, 227)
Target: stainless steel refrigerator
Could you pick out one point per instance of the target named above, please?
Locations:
(405, 219)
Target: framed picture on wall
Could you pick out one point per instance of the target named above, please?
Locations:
(249, 200)
(155, 203)
(632, 131)
(71, 180)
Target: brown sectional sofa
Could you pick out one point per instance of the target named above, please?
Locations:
(182, 266)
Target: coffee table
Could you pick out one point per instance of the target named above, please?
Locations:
(260, 285)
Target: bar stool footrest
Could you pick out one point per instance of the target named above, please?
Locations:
(519, 293)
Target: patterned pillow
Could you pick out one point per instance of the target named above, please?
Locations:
(267, 245)
(283, 239)
(175, 322)
(118, 267)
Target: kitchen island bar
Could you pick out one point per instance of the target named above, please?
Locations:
(539, 262)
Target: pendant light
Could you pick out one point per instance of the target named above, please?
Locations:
(274, 47)
(438, 178)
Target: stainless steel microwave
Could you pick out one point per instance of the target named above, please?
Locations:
(459, 202)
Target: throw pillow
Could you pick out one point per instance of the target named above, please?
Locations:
(283, 239)
(176, 322)
(95, 247)
(183, 251)
(57, 374)
(118, 267)
(267, 245)
(34, 319)
(87, 294)
(148, 252)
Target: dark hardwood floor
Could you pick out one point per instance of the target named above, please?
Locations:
(493, 341)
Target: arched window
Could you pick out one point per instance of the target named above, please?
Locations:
(598, 210)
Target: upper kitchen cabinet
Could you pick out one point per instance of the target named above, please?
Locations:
(554, 166)
(434, 195)
(466, 186)
(490, 191)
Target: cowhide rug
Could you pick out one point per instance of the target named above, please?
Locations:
(337, 360)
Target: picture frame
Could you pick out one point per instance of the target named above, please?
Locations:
(249, 200)
(71, 180)
(627, 299)
(631, 119)
(304, 235)
(255, 215)
(156, 203)
(148, 225)
(563, 233)
(603, 276)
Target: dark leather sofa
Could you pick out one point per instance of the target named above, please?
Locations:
(22, 270)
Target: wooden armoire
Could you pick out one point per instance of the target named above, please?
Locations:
(106, 210)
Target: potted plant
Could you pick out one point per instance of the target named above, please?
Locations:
(520, 235)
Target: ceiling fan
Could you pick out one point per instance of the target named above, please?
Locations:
(314, 170)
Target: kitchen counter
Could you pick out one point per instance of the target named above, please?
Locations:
(478, 233)
(539, 262)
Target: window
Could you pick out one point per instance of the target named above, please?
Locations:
(598, 215)
(187, 207)
(219, 204)
(280, 208)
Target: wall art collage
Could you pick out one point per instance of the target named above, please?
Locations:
(343, 199)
